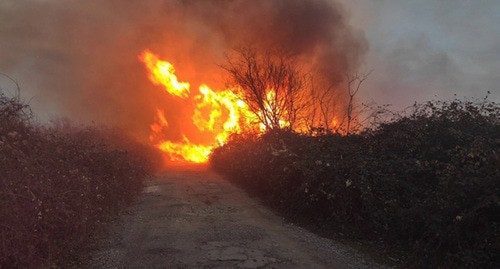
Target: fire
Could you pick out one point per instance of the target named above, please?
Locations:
(162, 73)
(270, 105)
(238, 116)
(217, 113)
(186, 151)
(161, 123)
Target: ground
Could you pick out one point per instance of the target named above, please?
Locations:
(196, 219)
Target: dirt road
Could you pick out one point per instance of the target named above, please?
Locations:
(195, 219)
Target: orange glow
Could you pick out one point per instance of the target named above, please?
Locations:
(270, 104)
(335, 123)
(216, 114)
(162, 73)
(186, 151)
(162, 122)
(238, 115)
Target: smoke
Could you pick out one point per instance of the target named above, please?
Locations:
(422, 50)
(316, 30)
(79, 58)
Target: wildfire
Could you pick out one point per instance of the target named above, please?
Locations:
(238, 115)
(186, 151)
(162, 73)
(270, 105)
(217, 114)
(158, 126)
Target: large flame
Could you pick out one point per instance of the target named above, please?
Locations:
(217, 114)
(186, 151)
(238, 118)
(162, 73)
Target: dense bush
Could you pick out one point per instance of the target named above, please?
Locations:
(57, 184)
(427, 182)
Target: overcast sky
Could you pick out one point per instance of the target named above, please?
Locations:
(423, 49)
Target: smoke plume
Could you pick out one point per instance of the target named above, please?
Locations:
(79, 59)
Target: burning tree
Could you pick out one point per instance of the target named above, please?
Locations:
(272, 85)
(269, 92)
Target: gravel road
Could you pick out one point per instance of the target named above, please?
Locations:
(196, 219)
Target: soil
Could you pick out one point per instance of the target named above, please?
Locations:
(196, 219)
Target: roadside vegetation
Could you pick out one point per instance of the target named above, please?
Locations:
(59, 184)
(426, 182)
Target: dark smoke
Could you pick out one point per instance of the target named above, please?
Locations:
(317, 30)
(79, 58)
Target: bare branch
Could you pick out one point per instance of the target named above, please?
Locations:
(272, 86)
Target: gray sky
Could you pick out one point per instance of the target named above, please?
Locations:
(428, 49)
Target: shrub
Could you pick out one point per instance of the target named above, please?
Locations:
(427, 182)
(57, 185)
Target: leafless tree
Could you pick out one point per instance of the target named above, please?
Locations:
(272, 84)
(353, 85)
(17, 95)
(323, 107)
(330, 112)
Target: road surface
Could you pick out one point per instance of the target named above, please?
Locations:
(196, 219)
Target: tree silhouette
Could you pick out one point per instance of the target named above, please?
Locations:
(272, 84)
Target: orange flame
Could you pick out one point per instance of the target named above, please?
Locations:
(186, 151)
(162, 73)
(238, 116)
(217, 114)
(162, 122)
(270, 104)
